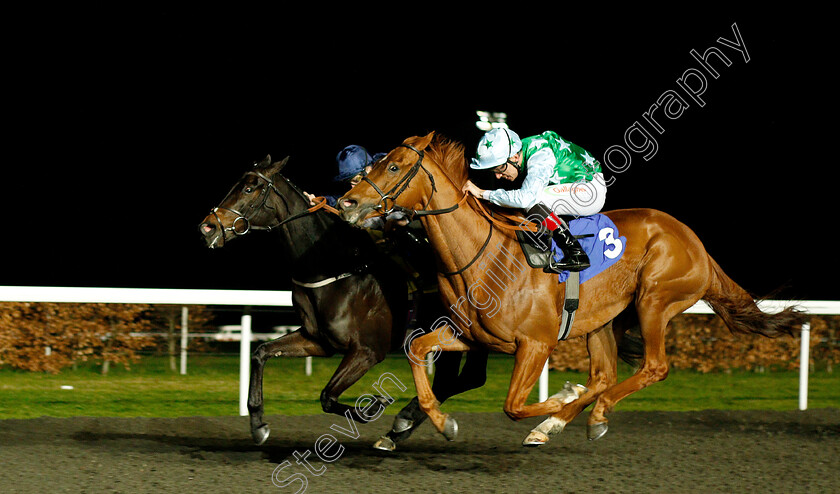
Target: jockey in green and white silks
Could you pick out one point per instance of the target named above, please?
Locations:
(562, 179)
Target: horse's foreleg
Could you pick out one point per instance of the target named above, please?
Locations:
(529, 359)
(439, 339)
(602, 375)
(356, 362)
(295, 344)
(411, 416)
(447, 383)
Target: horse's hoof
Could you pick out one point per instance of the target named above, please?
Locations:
(596, 431)
(534, 439)
(450, 429)
(401, 425)
(385, 444)
(260, 434)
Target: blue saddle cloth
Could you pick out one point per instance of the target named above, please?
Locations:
(604, 247)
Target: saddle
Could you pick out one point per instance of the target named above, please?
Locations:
(538, 258)
(600, 240)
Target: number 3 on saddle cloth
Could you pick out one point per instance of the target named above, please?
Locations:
(598, 237)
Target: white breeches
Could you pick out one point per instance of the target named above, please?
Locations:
(575, 199)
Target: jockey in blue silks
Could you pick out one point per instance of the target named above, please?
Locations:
(408, 245)
(561, 179)
(353, 163)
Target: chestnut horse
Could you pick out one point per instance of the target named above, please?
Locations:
(349, 299)
(498, 303)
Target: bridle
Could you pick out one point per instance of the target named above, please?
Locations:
(321, 203)
(254, 208)
(403, 183)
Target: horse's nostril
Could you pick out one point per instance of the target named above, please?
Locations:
(207, 228)
(348, 204)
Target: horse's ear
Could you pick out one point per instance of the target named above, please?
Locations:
(280, 164)
(421, 143)
(265, 162)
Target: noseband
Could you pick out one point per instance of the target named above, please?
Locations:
(246, 219)
(403, 184)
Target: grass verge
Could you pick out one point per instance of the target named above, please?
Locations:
(150, 389)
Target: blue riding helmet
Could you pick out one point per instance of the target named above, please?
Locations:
(351, 161)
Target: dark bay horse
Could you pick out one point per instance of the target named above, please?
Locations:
(500, 304)
(350, 299)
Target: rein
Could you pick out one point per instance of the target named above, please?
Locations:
(493, 221)
(530, 227)
(480, 251)
(321, 204)
(405, 181)
(401, 185)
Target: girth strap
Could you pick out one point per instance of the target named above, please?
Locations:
(572, 296)
(325, 282)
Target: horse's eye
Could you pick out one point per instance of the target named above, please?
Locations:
(393, 168)
(248, 189)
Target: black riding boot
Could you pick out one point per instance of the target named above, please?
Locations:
(574, 258)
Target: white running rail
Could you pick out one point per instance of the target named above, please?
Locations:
(814, 307)
(256, 298)
(244, 298)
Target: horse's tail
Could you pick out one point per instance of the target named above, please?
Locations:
(741, 314)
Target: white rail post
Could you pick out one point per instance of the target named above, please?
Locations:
(185, 316)
(544, 383)
(804, 365)
(244, 361)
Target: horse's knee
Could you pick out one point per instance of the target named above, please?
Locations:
(418, 351)
(600, 381)
(466, 383)
(260, 355)
(475, 378)
(513, 412)
(478, 382)
(656, 371)
(514, 415)
(327, 401)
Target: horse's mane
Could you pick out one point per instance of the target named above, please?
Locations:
(449, 155)
(333, 243)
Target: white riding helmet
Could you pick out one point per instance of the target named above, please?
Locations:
(495, 148)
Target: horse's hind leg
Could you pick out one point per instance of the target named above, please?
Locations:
(295, 344)
(653, 319)
(448, 382)
(602, 375)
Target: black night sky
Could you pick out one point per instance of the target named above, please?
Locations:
(122, 135)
